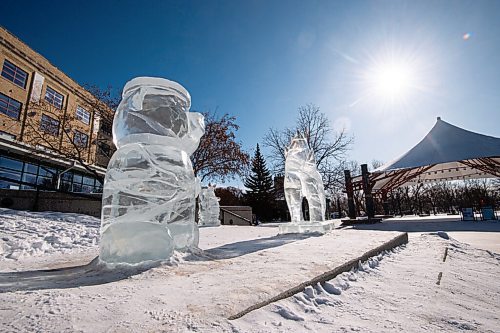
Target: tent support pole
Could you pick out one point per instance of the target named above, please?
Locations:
(350, 194)
(367, 190)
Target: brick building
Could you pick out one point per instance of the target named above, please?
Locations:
(46, 118)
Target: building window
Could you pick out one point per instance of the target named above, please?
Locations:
(80, 139)
(49, 125)
(10, 136)
(47, 177)
(88, 184)
(54, 98)
(104, 149)
(15, 74)
(97, 187)
(31, 174)
(10, 163)
(106, 127)
(10, 107)
(10, 172)
(85, 184)
(82, 115)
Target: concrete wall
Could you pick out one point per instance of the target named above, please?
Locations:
(66, 203)
(50, 201)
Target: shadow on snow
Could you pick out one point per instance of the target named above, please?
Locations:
(96, 273)
(93, 273)
(242, 248)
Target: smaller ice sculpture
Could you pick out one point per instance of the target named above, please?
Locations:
(302, 180)
(209, 207)
(148, 203)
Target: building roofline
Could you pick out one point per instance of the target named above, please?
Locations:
(47, 71)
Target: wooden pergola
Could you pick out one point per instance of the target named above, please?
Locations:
(447, 152)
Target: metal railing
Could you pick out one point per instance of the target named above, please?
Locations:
(236, 215)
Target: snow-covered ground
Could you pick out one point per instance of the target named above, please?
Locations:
(30, 240)
(397, 292)
(394, 291)
(33, 234)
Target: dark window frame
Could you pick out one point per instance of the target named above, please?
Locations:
(7, 109)
(77, 136)
(11, 168)
(45, 125)
(42, 174)
(82, 119)
(52, 95)
(106, 127)
(18, 76)
(105, 149)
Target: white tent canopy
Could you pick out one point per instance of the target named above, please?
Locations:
(447, 152)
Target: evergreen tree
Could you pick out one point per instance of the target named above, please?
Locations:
(260, 195)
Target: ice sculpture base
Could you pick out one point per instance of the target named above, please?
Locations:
(135, 242)
(185, 235)
(307, 227)
(208, 225)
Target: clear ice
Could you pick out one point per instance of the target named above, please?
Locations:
(148, 207)
(209, 207)
(302, 180)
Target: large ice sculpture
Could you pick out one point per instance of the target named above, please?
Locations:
(302, 180)
(150, 189)
(209, 207)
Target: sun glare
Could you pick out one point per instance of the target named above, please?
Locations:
(391, 81)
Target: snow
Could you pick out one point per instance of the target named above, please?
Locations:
(62, 289)
(26, 234)
(397, 292)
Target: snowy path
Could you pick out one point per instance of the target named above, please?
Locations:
(489, 241)
(398, 294)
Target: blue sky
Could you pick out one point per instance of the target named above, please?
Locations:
(261, 60)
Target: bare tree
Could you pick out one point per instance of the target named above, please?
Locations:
(219, 156)
(329, 146)
(104, 106)
(105, 99)
(74, 132)
(444, 196)
(375, 165)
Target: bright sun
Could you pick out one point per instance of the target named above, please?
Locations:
(391, 81)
